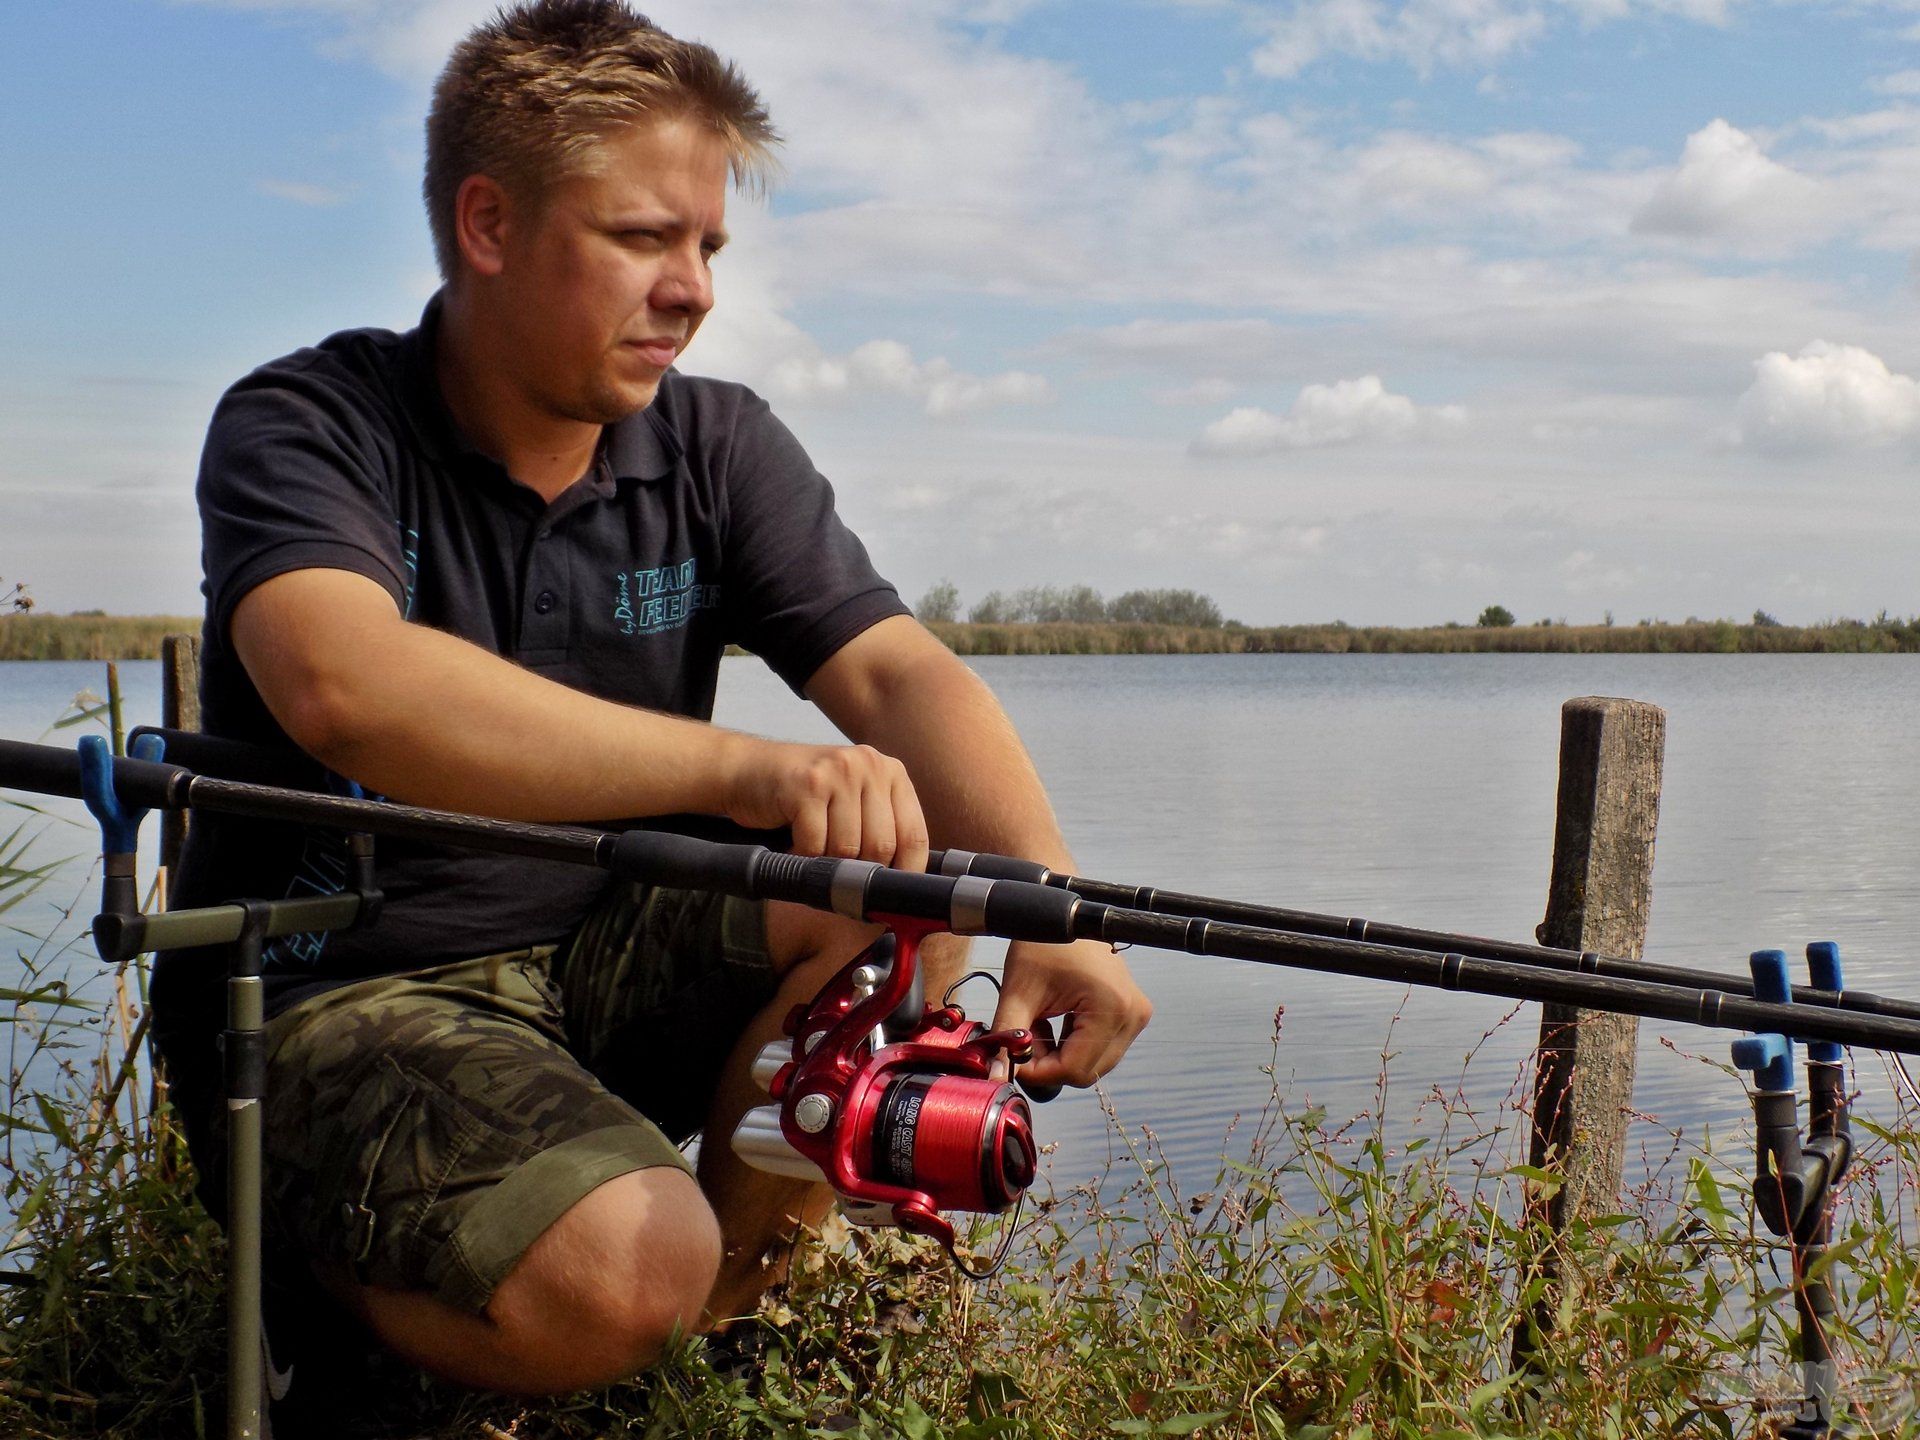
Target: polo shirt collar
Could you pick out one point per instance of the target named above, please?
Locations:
(644, 446)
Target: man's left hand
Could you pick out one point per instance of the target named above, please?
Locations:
(1086, 980)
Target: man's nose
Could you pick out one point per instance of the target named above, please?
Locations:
(685, 283)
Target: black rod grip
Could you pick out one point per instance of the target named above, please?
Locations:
(43, 769)
(236, 760)
(987, 867)
(684, 863)
(52, 770)
(1024, 911)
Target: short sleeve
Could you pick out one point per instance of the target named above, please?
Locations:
(290, 479)
(798, 583)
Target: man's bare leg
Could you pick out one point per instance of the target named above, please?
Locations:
(759, 1213)
(598, 1296)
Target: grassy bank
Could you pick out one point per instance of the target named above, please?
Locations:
(1322, 1286)
(107, 637)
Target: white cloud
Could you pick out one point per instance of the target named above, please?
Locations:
(1827, 397)
(1337, 414)
(1903, 82)
(888, 367)
(1431, 34)
(300, 192)
(1423, 33)
(1727, 187)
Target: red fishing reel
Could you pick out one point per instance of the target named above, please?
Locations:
(890, 1100)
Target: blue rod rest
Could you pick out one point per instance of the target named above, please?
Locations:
(1823, 967)
(119, 826)
(1770, 1057)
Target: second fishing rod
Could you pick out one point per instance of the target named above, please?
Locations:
(1250, 915)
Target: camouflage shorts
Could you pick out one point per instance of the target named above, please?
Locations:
(422, 1130)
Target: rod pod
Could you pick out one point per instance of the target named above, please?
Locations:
(1793, 1181)
(121, 931)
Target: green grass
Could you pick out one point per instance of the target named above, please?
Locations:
(1324, 1284)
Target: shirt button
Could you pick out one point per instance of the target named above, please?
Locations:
(543, 602)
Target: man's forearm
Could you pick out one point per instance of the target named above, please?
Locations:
(497, 739)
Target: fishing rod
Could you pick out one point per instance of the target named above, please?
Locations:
(1406, 937)
(891, 1100)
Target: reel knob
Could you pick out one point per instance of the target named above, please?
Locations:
(759, 1141)
(774, 1057)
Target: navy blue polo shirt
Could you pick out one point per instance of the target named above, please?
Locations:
(700, 523)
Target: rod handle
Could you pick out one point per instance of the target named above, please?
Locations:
(683, 863)
(54, 770)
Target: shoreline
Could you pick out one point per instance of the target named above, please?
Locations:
(138, 637)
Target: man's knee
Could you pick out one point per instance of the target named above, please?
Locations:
(618, 1276)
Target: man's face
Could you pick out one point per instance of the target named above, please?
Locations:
(610, 281)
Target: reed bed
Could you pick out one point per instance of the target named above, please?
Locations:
(89, 637)
(106, 637)
(1695, 637)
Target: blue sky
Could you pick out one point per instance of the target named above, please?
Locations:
(1340, 308)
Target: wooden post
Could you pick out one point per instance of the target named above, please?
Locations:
(179, 710)
(1597, 899)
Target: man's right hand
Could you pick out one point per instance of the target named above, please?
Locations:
(847, 801)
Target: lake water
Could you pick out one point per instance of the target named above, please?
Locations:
(1411, 788)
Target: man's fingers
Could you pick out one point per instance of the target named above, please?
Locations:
(809, 824)
(910, 825)
(843, 825)
(876, 823)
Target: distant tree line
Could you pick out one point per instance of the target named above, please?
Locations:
(1073, 605)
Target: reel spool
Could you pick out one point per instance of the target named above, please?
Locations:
(890, 1100)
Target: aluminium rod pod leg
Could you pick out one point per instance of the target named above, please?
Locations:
(244, 1047)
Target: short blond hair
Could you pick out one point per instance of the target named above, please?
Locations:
(527, 98)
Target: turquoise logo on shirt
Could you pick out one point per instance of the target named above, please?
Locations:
(665, 598)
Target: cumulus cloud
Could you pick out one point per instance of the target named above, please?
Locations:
(1338, 414)
(1827, 397)
(1727, 187)
(888, 367)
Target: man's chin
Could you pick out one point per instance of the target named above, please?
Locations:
(611, 405)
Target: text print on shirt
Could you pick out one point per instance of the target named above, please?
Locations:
(664, 598)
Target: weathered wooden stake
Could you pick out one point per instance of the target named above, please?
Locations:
(1598, 898)
(179, 710)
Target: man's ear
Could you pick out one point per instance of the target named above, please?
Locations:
(481, 213)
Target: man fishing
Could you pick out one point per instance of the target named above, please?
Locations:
(491, 565)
